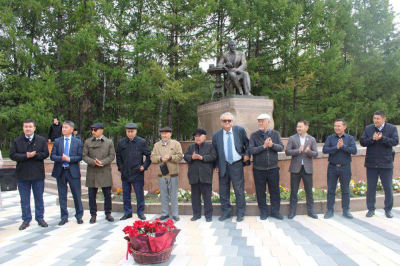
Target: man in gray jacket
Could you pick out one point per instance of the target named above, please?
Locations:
(302, 147)
(264, 146)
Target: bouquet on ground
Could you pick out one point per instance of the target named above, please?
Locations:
(150, 236)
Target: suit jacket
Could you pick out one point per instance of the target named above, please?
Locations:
(292, 149)
(241, 146)
(239, 63)
(75, 155)
(201, 171)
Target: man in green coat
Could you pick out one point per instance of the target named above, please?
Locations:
(98, 153)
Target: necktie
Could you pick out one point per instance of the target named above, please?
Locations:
(66, 151)
(230, 151)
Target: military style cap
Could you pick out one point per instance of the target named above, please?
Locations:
(97, 125)
(264, 116)
(131, 126)
(199, 131)
(166, 129)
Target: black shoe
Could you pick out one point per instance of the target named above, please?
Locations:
(264, 217)
(142, 217)
(176, 218)
(194, 218)
(126, 217)
(277, 216)
(63, 221)
(370, 214)
(80, 221)
(109, 218)
(224, 217)
(24, 226)
(389, 214)
(93, 219)
(347, 215)
(239, 219)
(291, 215)
(43, 224)
(328, 214)
(164, 217)
(208, 220)
(312, 215)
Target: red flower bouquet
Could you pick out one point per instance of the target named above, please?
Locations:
(150, 241)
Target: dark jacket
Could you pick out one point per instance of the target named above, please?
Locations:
(32, 168)
(75, 156)
(265, 158)
(55, 131)
(379, 153)
(241, 146)
(201, 171)
(130, 158)
(342, 155)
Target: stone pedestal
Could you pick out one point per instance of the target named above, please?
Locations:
(246, 109)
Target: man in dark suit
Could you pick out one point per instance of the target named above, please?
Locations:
(264, 145)
(130, 152)
(379, 138)
(30, 151)
(67, 154)
(200, 158)
(303, 148)
(55, 130)
(232, 146)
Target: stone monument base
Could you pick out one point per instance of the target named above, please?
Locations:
(245, 108)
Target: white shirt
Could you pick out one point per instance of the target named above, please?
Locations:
(302, 141)
(383, 125)
(236, 155)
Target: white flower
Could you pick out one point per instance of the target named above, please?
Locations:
(145, 192)
(362, 192)
(325, 190)
(313, 190)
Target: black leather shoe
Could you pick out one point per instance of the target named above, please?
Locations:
(370, 214)
(63, 221)
(109, 218)
(176, 218)
(208, 220)
(291, 215)
(277, 216)
(43, 224)
(312, 215)
(164, 217)
(239, 219)
(224, 217)
(24, 226)
(79, 221)
(126, 217)
(264, 217)
(328, 214)
(194, 218)
(389, 214)
(347, 215)
(93, 219)
(142, 217)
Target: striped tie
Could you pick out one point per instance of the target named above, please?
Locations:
(230, 151)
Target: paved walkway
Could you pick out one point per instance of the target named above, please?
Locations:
(301, 241)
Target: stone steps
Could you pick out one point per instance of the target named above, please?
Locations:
(50, 184)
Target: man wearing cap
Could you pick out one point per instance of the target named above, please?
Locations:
(168, 152)
(98, 153)
(264, 145)
(231, 144)
(130, 152)
(200, 158)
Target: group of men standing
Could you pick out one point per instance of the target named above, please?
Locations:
(228, 153)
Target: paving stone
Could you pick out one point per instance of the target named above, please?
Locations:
(251, 261)
(235, 232)
(343, 260)
(224, 240)
(244, 251)
(325, 260)
(229, 251)
(239, 241)
(232, 261)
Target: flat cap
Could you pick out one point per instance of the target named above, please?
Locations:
(166, 129)
(131, 126)
(97, 125)
(264, 116)
(199, 131)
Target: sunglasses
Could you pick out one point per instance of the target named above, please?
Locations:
(227, 121)
(94, 129)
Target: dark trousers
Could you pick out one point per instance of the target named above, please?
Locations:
(107, 200)
(234, 173)
(24, 188)
(386, 176)
(294, 188)
(261, 179)
(75, 187)
(127, 190)
(344, 175)
(205, 190)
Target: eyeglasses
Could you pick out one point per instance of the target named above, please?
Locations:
(94, 129)
(226, 121)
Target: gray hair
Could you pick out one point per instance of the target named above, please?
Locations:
(227, 113)
(69, 123)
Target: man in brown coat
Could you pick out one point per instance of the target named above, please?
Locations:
(98, 153)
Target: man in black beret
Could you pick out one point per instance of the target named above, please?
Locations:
(200, 158)
(130, 152)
